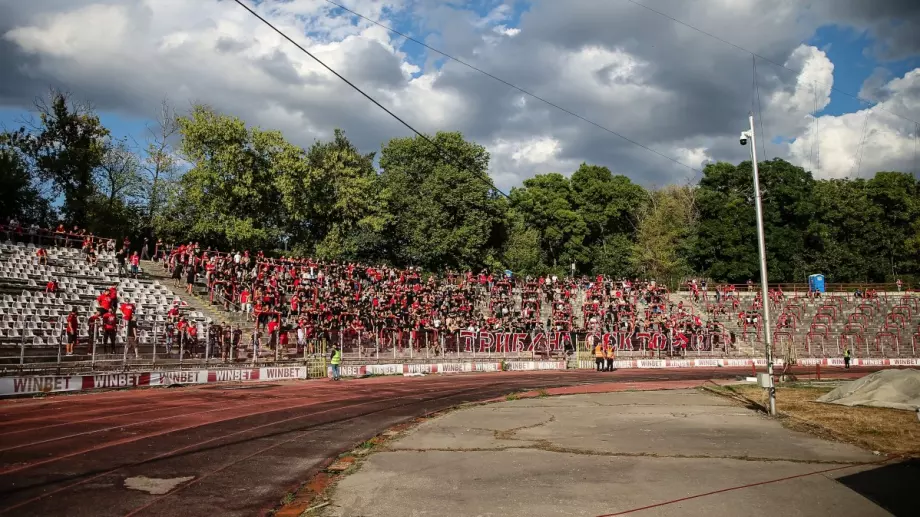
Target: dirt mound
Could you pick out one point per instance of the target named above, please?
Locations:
(897, 389)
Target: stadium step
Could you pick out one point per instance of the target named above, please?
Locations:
(197, 301)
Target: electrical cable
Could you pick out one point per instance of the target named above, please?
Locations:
(862, 141)
(814, 139)
(763, 133)
(916, 138)
(774, 63)
(441, 150)
(509, 84)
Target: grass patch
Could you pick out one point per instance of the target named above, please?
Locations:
(542, 393)
(512, 396)
(890, 431)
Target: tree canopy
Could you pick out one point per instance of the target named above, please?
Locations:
(209, 177)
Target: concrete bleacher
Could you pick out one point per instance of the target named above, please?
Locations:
(32, 321)
(887, 326)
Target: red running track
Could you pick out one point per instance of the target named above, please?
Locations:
(240, 446)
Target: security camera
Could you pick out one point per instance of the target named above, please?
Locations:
(743, 138)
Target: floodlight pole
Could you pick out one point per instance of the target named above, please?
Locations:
(764, 289)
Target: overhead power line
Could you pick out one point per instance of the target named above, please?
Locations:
(768, 60)
(440, 149)
(814, 138)
(763, 132)
(858, 158)
(511, 85)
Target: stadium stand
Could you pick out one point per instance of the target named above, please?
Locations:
(40, 286)
(867, 322)
(239, 306)
(379, 311)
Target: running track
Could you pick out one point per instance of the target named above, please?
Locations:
(244, 448)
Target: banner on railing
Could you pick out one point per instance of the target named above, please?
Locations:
(38, 384)
(394, 341)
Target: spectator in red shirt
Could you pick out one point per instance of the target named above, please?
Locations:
(52, 286)
(192, 336)
(283, 339)
(105, 303)
(113, 295)
(245, 301)
(127, 310)
(173, 313)
(73, 328)
(272, 333)
(59, 235)
(109, 326)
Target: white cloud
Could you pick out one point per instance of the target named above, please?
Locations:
(789, 111)
(866, 141)
(506, 31)
(514, 159)
(639, 74)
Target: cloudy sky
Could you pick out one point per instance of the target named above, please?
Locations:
(843, 100)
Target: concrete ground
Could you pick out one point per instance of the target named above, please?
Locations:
(661, 453)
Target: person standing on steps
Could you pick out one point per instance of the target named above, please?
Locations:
(336, 360)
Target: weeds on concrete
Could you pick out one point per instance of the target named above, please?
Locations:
(890, 431)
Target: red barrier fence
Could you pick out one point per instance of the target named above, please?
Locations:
(822, 340)
(858, 317)
(846, 339)
(889, 338)
(825, 308)
(825, 318)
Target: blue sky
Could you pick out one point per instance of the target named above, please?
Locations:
(854, 62)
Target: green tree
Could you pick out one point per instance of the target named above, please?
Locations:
(666, 224)
(19, 196)
(159, 167)
(725, 247)
(65, 147)
(547, 204)
(610, 206)
(896, 195)
(845, 216)
(332, 198)
(522, 251)
(442, 211)
(229, 197)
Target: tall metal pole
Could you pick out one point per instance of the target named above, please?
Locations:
(764, 289)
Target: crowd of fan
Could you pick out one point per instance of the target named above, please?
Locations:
(312, 299)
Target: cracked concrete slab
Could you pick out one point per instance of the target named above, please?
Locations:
(456, 431)
(605, 453)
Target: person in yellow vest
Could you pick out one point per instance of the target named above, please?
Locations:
(599, 357)
(610, 354)
(335, 362)
(846, 358)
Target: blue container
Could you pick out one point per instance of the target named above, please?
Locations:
(816, 283)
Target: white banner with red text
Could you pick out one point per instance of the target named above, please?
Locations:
(38, 384)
